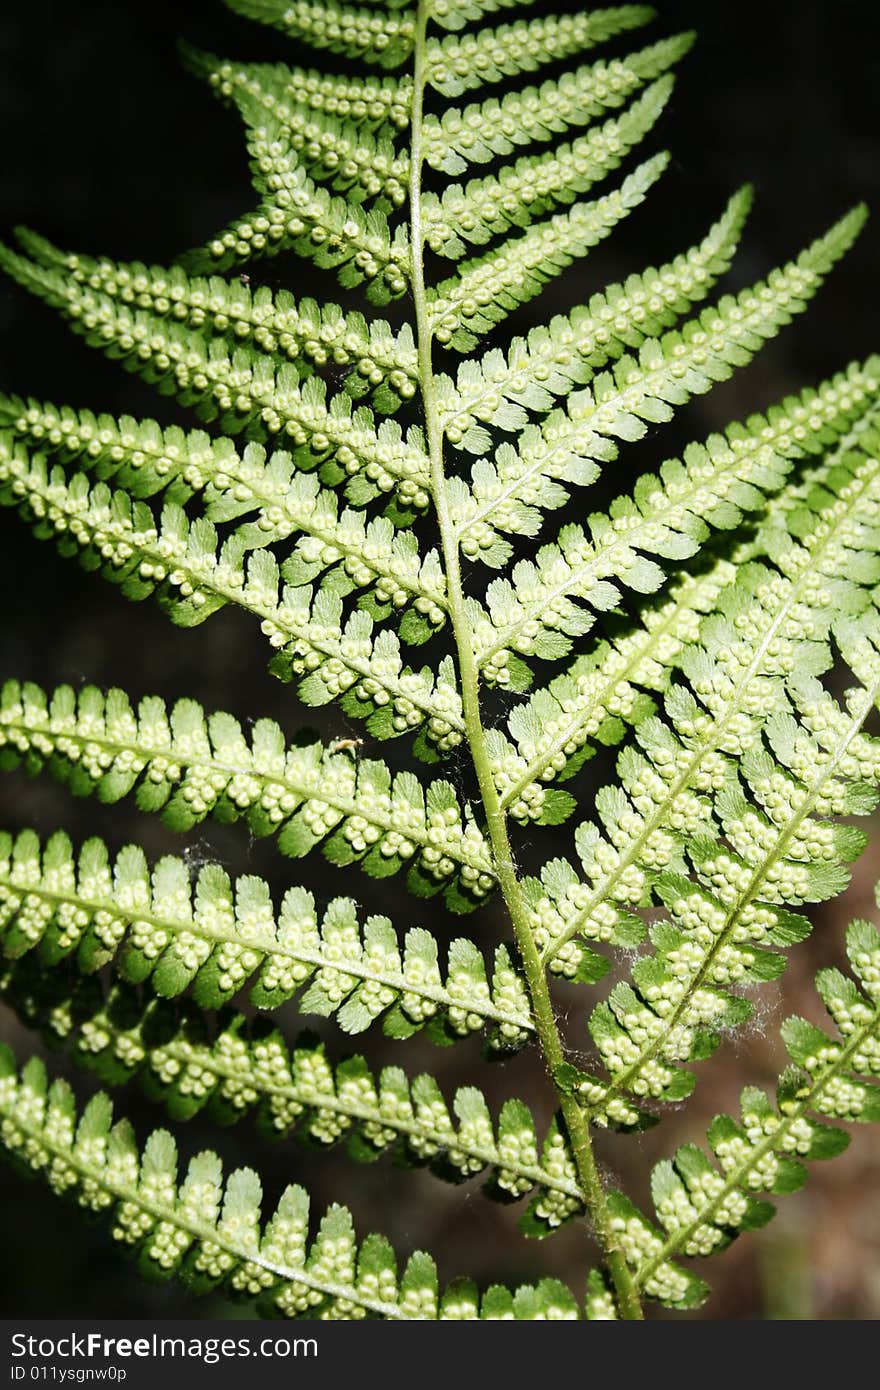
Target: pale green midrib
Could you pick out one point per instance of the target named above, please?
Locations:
(719, 726)
(650, 637)
(620, 1080)
(542, 1007)
(344, 966)
(737, 1176)
(341, 1105)
(208, 1234)
(206, 581)
(346, 807)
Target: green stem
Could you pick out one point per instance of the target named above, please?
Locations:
(496, 821)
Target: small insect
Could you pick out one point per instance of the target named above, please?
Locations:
(244, 279)
(198, 855)
(339, 376)
(345, 745)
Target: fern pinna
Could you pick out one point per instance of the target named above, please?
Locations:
(373, 480)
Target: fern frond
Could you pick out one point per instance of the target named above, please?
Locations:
(234, 1068)
(671, 369)
(298, 215)
(458, 64)
(375, 103)
(501, 388)
(703, 774)
(702, 1205)
(717, 627)
(520, 192)
(358, 163)
(342, 548)
(189, 766)
(536, 612)
(210, 1235)
(193, 575)
(456, 14)
(380, 35)
(302, 331)
(599, 693)
(488, 288)
(245, 390)
(217, 935)
(481, 131)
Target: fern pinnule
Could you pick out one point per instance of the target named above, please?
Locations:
(215, 936)
(455, 65)
(701, 1205)
(482, 130)
(235, 1067)
(190, 766)
(209, 1234)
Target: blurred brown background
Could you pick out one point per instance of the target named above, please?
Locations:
(108, 146)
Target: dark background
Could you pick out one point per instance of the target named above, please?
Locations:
(108, 146)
